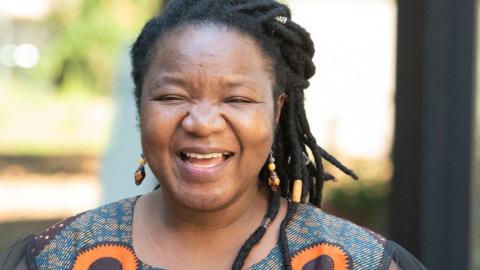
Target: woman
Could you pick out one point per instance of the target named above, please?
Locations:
(219, 91)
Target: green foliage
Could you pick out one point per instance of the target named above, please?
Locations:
(85, 42)
(363, 195)
(364, 202)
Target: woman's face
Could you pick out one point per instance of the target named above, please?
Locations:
(207, 115)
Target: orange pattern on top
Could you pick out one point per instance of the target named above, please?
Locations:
(123, 254)
(336, 254)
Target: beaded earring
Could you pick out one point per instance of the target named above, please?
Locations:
(273, 180)
(140, 172)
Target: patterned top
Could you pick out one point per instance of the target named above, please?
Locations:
(102, 239)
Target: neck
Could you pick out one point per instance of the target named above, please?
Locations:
(235, 220)
(164, 231)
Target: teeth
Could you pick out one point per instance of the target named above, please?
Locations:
(205, 156)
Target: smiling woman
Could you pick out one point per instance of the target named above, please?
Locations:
(219, 90)
(207, 116)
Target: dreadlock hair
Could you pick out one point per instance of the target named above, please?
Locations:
(289, 49)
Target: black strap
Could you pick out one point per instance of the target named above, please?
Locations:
(404, 259)
(12, 256)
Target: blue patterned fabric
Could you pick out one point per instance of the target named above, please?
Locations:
(312, 228)
(316, 240)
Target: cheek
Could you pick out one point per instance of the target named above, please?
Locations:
(254, 129)
(157, 126)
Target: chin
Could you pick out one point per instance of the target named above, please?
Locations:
(204, 200)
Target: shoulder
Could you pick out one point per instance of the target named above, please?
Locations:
(92, 222)
(110, 223)
(328, 227)
(313, 234)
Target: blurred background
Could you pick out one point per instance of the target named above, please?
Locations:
(69, 139)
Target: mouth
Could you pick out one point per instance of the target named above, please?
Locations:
(205, 160)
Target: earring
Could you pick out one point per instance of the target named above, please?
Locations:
(297, 191)
(273, 180)
(140, 172)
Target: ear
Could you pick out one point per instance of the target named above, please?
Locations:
(278, 106)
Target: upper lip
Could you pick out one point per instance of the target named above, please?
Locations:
(203, 150)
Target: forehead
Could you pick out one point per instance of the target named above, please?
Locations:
(213, 48)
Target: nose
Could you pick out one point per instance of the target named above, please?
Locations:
(203, 119)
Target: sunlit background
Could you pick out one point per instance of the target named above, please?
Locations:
(68, 135)
(65, 89)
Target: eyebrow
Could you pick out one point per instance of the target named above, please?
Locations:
(177, 80)
(232, 83)
(170, 79)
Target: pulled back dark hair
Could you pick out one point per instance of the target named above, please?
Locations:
(289, 49)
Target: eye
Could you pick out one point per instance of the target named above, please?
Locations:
(170, 98)
(241, 100)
